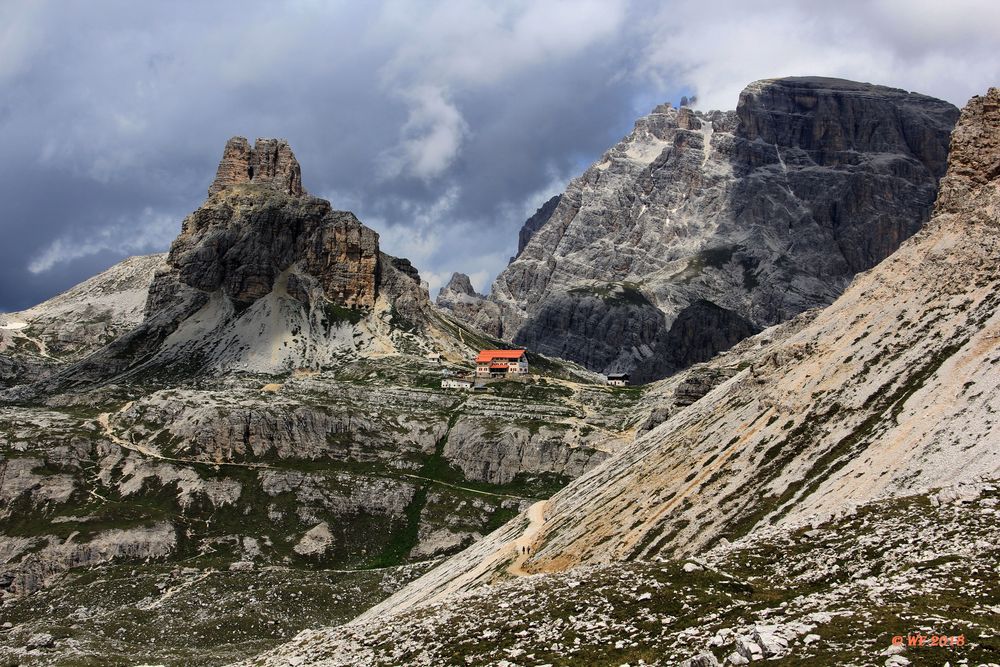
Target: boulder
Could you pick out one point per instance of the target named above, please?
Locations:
(315, 542)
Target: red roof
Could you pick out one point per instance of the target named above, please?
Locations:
(490, 355)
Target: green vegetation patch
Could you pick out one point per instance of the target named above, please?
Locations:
(337, 314)
(615, 294)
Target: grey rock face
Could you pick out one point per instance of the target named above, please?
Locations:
(460, 299)
(622, 331)
(763, 212)
(488, 452)
(535, 222)
(35, 569)
(212, 429)
(400, 284)
(341, 494)
(240, 241)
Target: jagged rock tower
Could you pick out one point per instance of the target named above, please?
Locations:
(258, 222)
(269, 163)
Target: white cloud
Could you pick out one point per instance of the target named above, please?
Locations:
(464, 45)
(476, 42)
(947, 50)
(420, 237)
(431, 140)
(21, 36)
(148, 232)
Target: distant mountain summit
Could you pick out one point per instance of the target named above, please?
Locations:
(466, 304)
(715, 225)
(73, 324)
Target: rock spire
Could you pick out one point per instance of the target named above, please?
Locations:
(270, 163)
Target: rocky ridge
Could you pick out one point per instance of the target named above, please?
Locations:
(834, 594)
(73, 324)
(762, 212)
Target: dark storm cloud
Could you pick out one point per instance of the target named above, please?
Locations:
(442, 124)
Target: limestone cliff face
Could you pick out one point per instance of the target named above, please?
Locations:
(973, 177)
(891, 390)
(270, 163)
(535, 222)
(763, 213)
(463, 302)
(245, 236)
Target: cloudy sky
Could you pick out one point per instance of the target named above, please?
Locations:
(442, 124)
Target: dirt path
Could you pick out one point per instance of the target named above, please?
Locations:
(16, 330)
(524, 546)
(482, 571)
(104, 419)
(170, 592)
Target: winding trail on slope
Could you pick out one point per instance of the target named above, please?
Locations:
(16, 329)
(104, 419)
(525, 544)
(484, 569)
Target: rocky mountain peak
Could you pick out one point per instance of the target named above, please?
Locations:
(827, 117)
(460, 284)
(270, 163)
(974, 160)
(747, 217)
(460, 299)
